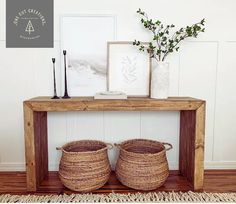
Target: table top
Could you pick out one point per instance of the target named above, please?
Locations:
(44, 103)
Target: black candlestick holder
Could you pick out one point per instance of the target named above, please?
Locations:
(66, 95)
(54, 80)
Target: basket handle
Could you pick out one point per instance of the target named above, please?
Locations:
(58, 148)
(167, 144)
(109, 146)
(117, 145)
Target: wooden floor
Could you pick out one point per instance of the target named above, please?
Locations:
(215, 181)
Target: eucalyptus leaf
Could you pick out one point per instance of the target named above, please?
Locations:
(163, 41)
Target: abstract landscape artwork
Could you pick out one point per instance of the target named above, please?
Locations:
(85, 38)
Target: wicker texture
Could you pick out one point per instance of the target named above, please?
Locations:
(142, 164)
(84, 165)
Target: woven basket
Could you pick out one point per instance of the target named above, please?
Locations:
(84, 165)
(142, 164)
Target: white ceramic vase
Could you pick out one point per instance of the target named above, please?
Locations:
(160, 80)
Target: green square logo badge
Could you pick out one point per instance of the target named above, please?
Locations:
(29, 23)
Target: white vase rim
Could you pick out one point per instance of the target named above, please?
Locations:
(161, 62)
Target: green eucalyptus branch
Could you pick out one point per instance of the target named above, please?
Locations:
(163, 42)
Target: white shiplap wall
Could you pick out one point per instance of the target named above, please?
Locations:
(204, 68)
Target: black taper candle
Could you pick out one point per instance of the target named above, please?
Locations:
(66, 96)
(54, 80)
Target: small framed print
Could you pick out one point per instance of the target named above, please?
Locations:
(128, 69)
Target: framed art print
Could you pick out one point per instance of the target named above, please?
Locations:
(85, 38)
(128, 69)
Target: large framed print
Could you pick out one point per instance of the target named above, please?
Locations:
(128, 69)
(85, 38)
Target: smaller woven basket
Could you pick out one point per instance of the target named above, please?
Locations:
(142, 164)
(84, 165)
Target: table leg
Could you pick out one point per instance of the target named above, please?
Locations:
(191, 153)
(36, 147)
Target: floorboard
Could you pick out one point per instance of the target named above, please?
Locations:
(215, 181)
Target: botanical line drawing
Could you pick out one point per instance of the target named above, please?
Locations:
(129, 69)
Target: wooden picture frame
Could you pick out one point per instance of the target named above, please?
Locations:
(129, 69)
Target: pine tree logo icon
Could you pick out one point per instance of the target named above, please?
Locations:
(29, 28)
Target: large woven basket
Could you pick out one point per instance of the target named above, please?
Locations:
(142, 164)
(84, 165)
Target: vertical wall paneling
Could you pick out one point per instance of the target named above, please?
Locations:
(198, 78)
(225, 131)
(174, 62)
(57, 136)
(85, 125)
(163, 126)
(120, 126)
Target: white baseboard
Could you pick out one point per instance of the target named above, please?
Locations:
(220, 165)
(12, 167)
(209, 165)
(172, 165)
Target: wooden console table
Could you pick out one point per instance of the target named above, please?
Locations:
(192, 128)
